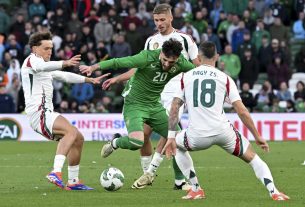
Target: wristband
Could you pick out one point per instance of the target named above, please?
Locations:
(171, 134)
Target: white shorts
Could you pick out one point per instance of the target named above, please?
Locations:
(230, 140)
(42, 122)
(166, 101)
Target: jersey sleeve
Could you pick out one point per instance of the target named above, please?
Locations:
(39, 65)
(68, 77)
(136, 61)
(193, 49)
(146, 46)
(232, 91)
(179, 93)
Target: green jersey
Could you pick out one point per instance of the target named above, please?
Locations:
(149, 80)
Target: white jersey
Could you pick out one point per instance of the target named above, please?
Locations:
(204, 90)
(37, 76)
(190, 52)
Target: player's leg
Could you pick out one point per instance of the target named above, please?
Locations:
(134, 119)
(56, 127)
(185, 163)
(146, 150)
(262, 172)
(74, 157)
(70, 146)
(159, 123)
(236, 144)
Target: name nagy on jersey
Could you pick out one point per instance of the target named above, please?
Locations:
(205, 72)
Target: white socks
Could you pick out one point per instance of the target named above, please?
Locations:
(185, 163)
(155, 163)
(73, 172)
(263, 173)
(59, 161)
(145, 162)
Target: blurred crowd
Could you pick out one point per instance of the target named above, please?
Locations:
(253, 37)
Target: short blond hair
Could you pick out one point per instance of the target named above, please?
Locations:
(162, 9)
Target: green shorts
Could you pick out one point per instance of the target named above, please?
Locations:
(154, 115)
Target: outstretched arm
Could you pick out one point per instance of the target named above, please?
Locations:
(170, 146)
(75, 78)
(118, 79)
(137, 61)
(245, 117)
(39, 65)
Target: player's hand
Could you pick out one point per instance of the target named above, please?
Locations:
(74, 61)
(170, 148)
(262, 144)
(86, 69)
(107, 83)
(97, 80)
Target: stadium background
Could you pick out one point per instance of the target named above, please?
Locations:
(266, 37)
(227, 181)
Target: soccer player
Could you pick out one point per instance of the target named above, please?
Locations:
(163, 18)
(203, 90)
(37, 74)
(142, 94)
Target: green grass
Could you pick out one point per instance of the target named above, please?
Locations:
(227, 181)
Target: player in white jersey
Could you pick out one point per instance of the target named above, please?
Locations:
(204, 90)
(163, 20)
(37, 73)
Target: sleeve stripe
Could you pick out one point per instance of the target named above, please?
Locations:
(182, 82)
(228, 86)
(28, 64)
(186, 35)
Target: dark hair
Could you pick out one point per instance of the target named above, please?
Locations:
(208, 49)
(172, 48)
(162, 9)
(302, 83)
(36, 38)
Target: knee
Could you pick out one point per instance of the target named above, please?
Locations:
(80, 137)
(73, 132)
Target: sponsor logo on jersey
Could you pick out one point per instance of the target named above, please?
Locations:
(10, 129)
(153, 65)
(156, 45)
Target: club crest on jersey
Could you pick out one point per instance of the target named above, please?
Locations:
(172, 70)
(155, 45)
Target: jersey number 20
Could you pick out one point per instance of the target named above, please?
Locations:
(207, 92)
(160, 77)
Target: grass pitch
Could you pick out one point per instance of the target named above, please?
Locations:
(226, 180)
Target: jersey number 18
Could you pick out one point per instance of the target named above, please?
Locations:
(207, 92)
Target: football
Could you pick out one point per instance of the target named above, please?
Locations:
(112, 179)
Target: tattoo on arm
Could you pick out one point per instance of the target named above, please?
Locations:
(174, 114)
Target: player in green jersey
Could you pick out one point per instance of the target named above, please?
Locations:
(154, 69)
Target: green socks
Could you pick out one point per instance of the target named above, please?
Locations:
(178, 174)
(129, 143)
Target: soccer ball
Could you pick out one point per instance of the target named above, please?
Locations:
(112, 179)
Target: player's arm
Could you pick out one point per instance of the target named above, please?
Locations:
(39, 65)
(135, 61)
(244, 114)
(245, 117)
(173, 119)
(118, 79)
(196, 61)
(75, 78)
(193, 51)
